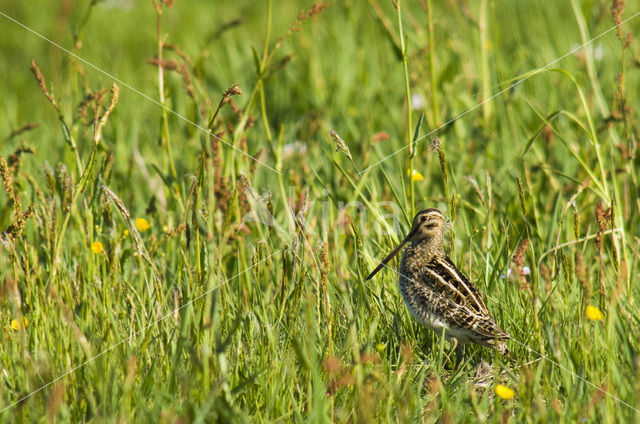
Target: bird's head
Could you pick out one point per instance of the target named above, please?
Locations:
(428, 226)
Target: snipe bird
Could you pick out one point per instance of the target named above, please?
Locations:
(437, 294)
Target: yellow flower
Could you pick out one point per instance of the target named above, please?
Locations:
(142, 225)
(19, 323)
(594, 314)
(97, 247)
(165, 228)
(416, 176)
(125, 233)
(504, 392)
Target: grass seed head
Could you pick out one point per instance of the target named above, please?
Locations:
(43, 85)
(341, 146)
(617, 10)
(523, 203)
(436, 145)
(583, 276)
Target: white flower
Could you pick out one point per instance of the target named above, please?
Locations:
(297, 148)
(598, 52)
(125, 5)
(508, 274)
(417, 101)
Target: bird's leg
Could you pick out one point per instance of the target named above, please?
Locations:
(459, 354)
(458, 348)
(454, 347)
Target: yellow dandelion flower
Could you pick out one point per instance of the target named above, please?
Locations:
(97, 247)
(594, 314)
(19, 323)
(142, 225)
(416, 176)
(504, 392)
(125, 233)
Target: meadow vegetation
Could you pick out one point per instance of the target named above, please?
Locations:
(194, 193)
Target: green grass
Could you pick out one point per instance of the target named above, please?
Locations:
(246, 300)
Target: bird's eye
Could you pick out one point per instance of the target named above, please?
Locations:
(423, 218)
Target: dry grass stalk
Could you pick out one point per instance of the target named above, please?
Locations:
(604, 218)
(101, 121)
(20, 217)
(42, 84)
(27, 127)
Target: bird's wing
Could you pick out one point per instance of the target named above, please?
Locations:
(453, 284)
(455, 313)
(458, 300)
(463, 317)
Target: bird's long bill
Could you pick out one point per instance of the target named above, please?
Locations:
(390, 256)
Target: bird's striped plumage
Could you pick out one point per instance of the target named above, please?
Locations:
(437, 294)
